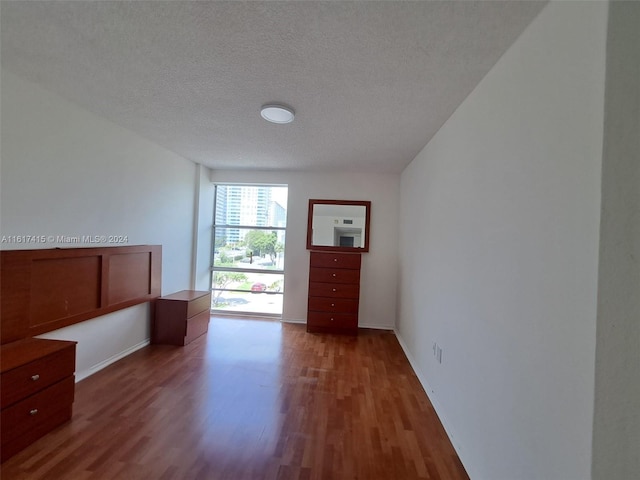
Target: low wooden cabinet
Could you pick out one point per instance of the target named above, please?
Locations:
(181, 317)
(334, 292)
(37, 386)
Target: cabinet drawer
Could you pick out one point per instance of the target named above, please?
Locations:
(335, 260)
(332, 320)
(339, 305)
(36, 375)
(38, 409)
(334, 275)
(334, 290)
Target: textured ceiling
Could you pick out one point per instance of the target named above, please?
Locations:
(371, 82)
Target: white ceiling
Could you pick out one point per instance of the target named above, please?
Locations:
(371, 82)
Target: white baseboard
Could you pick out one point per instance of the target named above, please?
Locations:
(290, 320)
(105, 363)
(377, 327)
(436, 404)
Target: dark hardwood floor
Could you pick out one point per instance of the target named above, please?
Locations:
(253, 399)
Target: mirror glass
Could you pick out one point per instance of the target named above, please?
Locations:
(338, 225)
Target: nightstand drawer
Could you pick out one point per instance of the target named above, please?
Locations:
(197, 326)
(185, 304)
(199, 305)
(23, 381)
(53, 404)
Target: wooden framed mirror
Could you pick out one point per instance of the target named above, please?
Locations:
(338, 225)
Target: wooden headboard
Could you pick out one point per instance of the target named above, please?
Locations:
(43, 290)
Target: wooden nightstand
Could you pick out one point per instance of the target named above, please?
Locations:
(38, 386)
(181, 317)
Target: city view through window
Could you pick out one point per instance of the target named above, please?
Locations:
(248, 258)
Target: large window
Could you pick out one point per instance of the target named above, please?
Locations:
(248, 258)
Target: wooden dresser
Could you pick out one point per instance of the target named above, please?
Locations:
(37, 386)
(181, 317)
(334, 292)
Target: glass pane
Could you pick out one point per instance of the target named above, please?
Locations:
(243, 254)
(249, 248)
(243, 302)
(339, 225)
(260, 206)
(247, 291)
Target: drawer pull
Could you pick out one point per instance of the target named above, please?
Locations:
(333, 275)
(332, 319)
(333, 304)
(33, 412)
(35, 377)
(335, 259)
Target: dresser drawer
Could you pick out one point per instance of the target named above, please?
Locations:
(334, 275)
(51, 404)
(338, 305)
(334, 290)
(27, 379)
(335, 260)
(333, 320)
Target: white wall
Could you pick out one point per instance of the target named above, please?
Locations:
(203, 233)
(379, 265)
(68, 172)
(499, 254)
(616, 436)
(327, 229)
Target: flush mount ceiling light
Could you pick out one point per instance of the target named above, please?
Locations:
(276, 113)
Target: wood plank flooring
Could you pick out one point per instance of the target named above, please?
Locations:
(253, 399)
